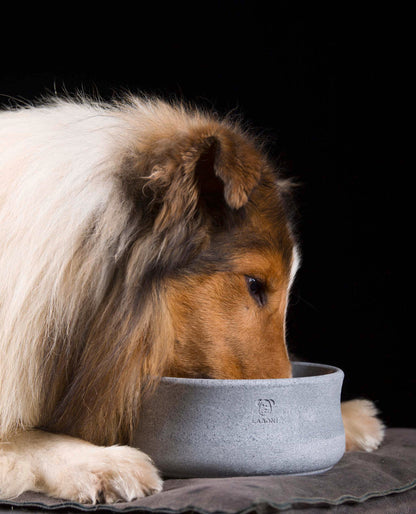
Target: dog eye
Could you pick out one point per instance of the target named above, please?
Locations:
(257, 290)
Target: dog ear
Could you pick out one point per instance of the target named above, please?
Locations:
(226, 169)
(202, 172)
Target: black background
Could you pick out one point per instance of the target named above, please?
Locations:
(328, 86)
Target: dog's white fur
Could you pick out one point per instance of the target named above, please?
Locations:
(363, 430)
(67, 467)
(56, 165)
(56, 161)
(46, 155)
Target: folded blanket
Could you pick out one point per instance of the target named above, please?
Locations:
(385, 480)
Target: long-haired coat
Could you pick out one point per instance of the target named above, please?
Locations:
(137, 239)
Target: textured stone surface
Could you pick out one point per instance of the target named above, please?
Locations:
(213, 428)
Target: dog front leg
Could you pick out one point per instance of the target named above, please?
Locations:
(363, 430)
(65, 467)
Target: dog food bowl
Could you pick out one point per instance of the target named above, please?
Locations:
(217, 428)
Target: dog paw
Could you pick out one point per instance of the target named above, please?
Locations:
(16, 476)
(104, 475)
(363, 430)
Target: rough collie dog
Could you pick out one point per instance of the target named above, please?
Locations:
(137, 239)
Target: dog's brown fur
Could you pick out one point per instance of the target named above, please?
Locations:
(155, 278)
(214, 213)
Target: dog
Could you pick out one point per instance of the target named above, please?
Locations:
(138, 238)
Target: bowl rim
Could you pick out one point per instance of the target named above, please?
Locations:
(331, 373)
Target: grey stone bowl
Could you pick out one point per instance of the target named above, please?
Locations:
(216, 428)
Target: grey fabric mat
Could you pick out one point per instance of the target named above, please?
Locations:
(380, 479)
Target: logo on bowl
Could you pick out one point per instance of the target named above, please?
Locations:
(264, 411)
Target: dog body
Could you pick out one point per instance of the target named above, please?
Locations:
(137, 240)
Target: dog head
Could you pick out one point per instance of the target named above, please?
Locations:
(228, 306)
(225, 249)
